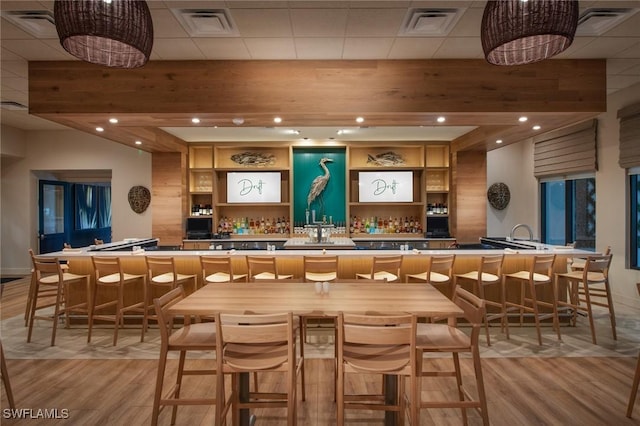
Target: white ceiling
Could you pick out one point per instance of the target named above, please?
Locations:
(309, 30)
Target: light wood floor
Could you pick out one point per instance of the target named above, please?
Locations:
(521, 391)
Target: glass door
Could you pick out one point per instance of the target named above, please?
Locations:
(52, 215)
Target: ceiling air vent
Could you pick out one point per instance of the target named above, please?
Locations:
(38, 23)
(597, 21)
(13, 106)
(207, 22)
(429, 22)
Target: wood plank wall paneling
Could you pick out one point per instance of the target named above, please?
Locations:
(168, 197)
(469, 196)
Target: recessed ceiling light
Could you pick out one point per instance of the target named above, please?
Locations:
(113, 120)
(522, 119)
(441, 119)
(536, 127)
(138, 142)
(359, 119)
(277, 120)
(195, 120)
(499, 141)
(99, 129)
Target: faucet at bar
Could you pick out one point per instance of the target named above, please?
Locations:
(518, 226)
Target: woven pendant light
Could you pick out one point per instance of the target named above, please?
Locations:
(113, 33)
(516, 32)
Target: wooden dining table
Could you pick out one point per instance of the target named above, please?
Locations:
(301, 298)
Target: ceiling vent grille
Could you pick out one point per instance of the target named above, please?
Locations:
(13, 106)
(207, 22)
(429, 22)
(38, 23)
(597, 21)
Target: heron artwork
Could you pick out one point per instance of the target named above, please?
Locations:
(319, 183)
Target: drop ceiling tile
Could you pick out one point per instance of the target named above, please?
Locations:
(22, 5)
(460, 47)
(319, 47)
(628, 27)
(603, 47)
(35, 50)
(468, 25)
(314, 4)
(619, 66)
(578, 44)
(245, 4)
(223, 48)
(319, 22)
(374, 22)
(20, 84)
(617, 82)
(7, 55)
(378, 4)
(632, 52)
(9, 31)
(165, 25)
(271, 48)
(19, 68)
(367, 48)
(415, 47)
(262, 22)
(9, 94)
(177, 49)
(188, 4)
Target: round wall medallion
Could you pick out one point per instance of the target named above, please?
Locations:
(498, 195)
(139, 198)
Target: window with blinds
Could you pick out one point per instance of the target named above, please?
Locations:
(566, 151)
(629, 136)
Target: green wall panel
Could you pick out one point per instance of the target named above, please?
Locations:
(306, 167)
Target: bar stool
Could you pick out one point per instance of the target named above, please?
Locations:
(5, 379)
(384, 268)
(162, 278)
(539, 274)
(219, 269)
(577, 263)
(489, 272)
(589, 287)
(32, 287)
(52, 282)
(110, 276)
(320, 268)
(264, 268)
(439, 273)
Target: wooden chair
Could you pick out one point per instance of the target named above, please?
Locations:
(162, 277)
(51, 285)
(539, 274)
(110, 276)
(189, 337)
(384, 268)
(219, 269)
(589, 287)
(97, 241)
(5, 379)
(320, 268)
(378, 344)
(439, 273)
(489, 272)
(32, 288)
(440, 338)
(577, 263)
(636, 380)
(258, 343)
(264, 267)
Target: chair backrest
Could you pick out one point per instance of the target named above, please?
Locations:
(103, 265)
(391, 340)
(46, 266)
(251, 334)
(259, 264)
(387, 263)
(97, 241)
(442, 264)
(473, 308)
(165, 320)
(319, 264)
(597, 264)
(491, 264)
(159, 265)
(212, 264)
(542, 264)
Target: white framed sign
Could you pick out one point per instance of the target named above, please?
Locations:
(385, 187)
(253, 187)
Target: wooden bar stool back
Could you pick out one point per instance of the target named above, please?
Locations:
(539, 274)
(589, 287)
(5, 379)
(32, 287)
(162, 278)
(439, 273)
(320, 268)
(219, 269)
(384, 268)
(489, 272)
(51, 289)
(378, 344)
(442, 338)
(110, 277)
(249, 343)
(264, 267)
(189, 337)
